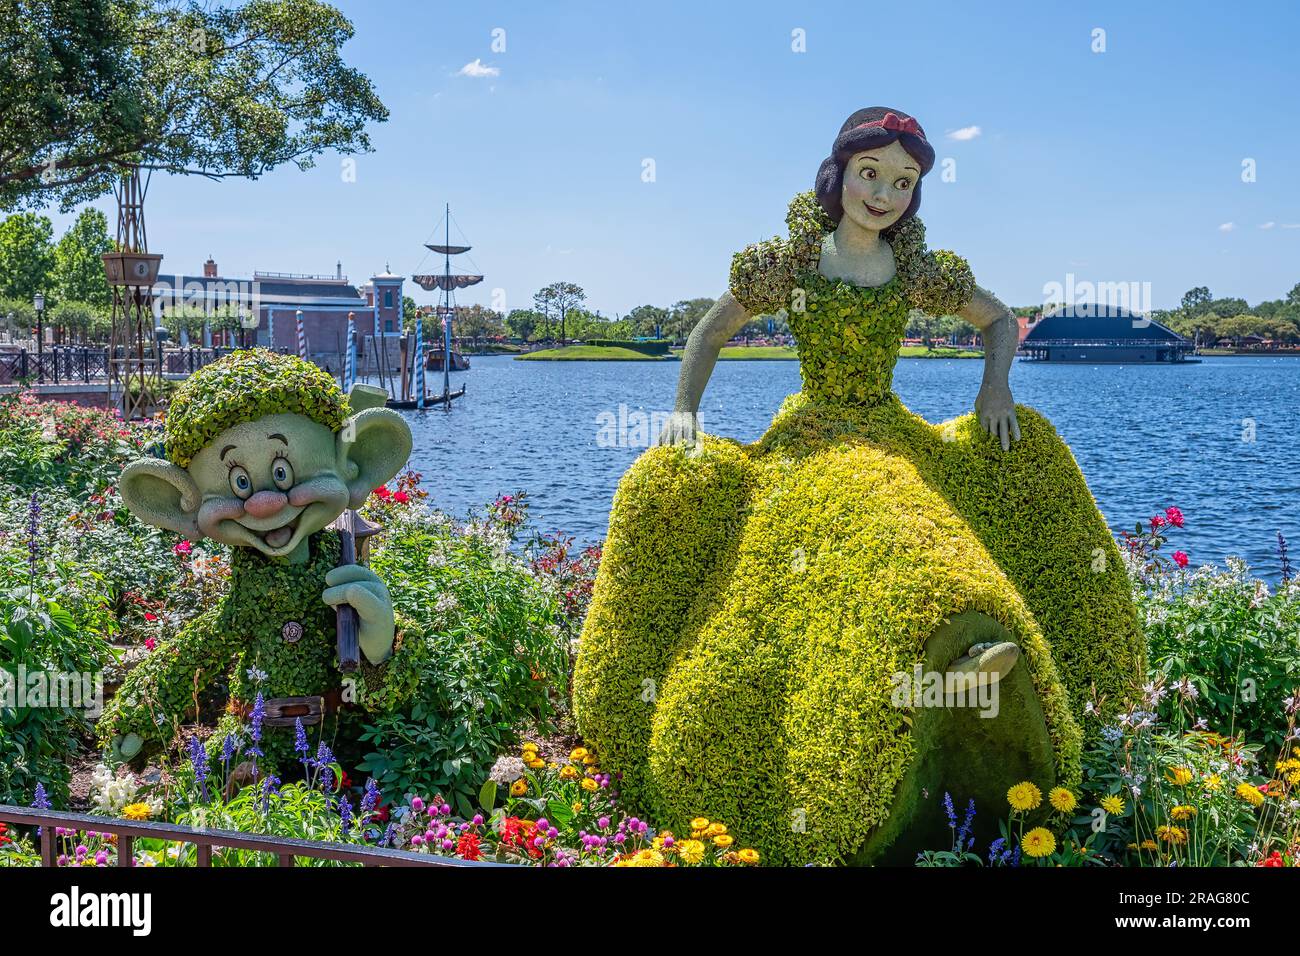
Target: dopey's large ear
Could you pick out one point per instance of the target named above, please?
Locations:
(373, 445)
(159, 493)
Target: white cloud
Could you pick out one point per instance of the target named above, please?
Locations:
(1267, 225)
(477, 69)
(965, 133)
(1227, 227)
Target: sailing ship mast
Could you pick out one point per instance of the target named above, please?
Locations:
(448, 283)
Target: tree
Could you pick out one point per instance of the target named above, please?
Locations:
(522, 323)
(476, 322)
(94, 87)
(555, 300)
(686, 313)
(78, 268)
(26, 256)
(647, 320)
(1195, 301)
(1293, 297)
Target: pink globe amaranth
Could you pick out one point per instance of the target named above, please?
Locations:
(1174, 516)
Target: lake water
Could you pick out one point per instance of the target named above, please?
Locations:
(1218, 439)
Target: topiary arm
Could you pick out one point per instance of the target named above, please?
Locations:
(164, 686)
(720, 323)
(994, 406)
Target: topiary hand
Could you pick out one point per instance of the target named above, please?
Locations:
(359, 586)
(995, 410)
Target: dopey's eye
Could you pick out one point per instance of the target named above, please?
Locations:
(240, 483)
(282, 474)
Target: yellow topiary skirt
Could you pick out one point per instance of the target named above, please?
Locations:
(755, 602)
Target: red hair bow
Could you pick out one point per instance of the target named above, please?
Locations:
(894, 122)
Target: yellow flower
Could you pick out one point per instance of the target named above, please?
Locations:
(1113, 804)
(589, 760)
(589, 784)
(1250, 794)
(1150, 845)
(748, 856)
(723, 840)
(1213, 782)
(700, 823)
(530, 748)
(536, 763)
(569, 773)
(577, 753)
(137, 811)
(1038, 842)
(519, 787)
(715, 829)
(691, 851)
(1183, 812)
(1024, 796)
(1180, 776)
(1062, 799)
(648, 858)
(1175, 835)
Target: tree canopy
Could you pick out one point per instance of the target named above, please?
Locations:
(92, 87)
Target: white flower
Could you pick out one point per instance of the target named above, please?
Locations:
(256, 676)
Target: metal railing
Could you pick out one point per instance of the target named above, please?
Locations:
(68, 364)
(284, 849)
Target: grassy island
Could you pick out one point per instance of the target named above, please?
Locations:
(592, 353)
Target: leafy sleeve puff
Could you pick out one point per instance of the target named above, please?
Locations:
(937, 282)
(762, 276)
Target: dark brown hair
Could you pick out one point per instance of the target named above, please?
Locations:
(852, 140)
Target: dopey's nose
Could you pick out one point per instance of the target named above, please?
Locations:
(265, 503)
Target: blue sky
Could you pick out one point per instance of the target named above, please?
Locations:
(1117, 166)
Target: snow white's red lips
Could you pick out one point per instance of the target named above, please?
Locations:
(874, 211)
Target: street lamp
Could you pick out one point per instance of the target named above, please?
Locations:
(38, 302)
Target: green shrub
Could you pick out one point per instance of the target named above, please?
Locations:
(495, 654)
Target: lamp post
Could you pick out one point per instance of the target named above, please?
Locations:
(38, 302)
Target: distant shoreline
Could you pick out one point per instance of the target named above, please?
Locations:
(751, 353)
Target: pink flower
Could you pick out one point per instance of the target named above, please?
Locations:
(150, 643)
(183, 548)
(1157, 522)
(1175, 516)
(1180, 558)
(401, 497)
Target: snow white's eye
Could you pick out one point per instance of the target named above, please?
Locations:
(903, 183)
(282, 474)
(240, 483)
(867, 172)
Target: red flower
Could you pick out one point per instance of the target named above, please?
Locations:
(3, 829)
(1174, 516)
(1273, 859)
(150, 616)
(150, 643)
(183, 547)
(1157, 522)
(383, 492)
(1180, 558)
(518, 833)
(401, 497)
(467, 847)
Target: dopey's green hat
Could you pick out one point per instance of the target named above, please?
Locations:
(243, 387)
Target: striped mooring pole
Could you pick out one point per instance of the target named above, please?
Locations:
(302, 336)
(419, 361)
(350, 360)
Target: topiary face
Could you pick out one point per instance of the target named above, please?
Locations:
(878, 186)
(278, 460)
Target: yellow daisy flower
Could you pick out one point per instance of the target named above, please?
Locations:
(589, 784)
(569, 773)
(519, 788)
(1213, 782)
(1183, 812)
(577, 753)
(723, 840)
(715, 829)
(691, 851)
(1038, 842)
(1062, 800)
(1113, 804)
(137, 811)
(748, 856)
(1250, 794)
(530, 748)
(700, 823)
(1180, 776)
(1174, 835)
(1024, 796)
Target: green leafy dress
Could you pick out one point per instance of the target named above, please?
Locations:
(757, 604)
